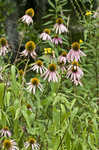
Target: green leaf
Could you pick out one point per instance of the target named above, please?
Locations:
(2, 86)
(51, 4)
(8, 98)
(17, 114)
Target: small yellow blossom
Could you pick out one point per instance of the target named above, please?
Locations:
(80, 41)
(47, 50)
(88, 13)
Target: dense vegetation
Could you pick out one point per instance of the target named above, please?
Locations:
(49, 90)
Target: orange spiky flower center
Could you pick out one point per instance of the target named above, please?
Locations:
(64, 54)
(52, 67)
(30, 46)
(39, 63)
(75, 65)
(32, 140)
(48, 31)
(59, 20)
(30, 12)
(35, 81)
(7, 144)
(75, 46)
(3, 42)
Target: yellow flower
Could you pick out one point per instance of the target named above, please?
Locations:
(47, 50)
(88, 13)
(80, 41)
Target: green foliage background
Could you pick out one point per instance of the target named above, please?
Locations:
(63, 117)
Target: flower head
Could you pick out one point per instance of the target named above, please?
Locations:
(31, 143)
(47, 50)
(27, 18)
(51, 73)
(38, 67)
(59, 20)
(59, 26)
(29, 107)
(63, 57)
(10, 145)
(57, 40)
(30, 12)
(5, 132)
(3, 46)
(62, 66)
(21, 72)
(33, 84)
(75, 52)
(75, 73)
(29, 49)
(88, 13)
(46, 35)
(75, 46)
(80, 41)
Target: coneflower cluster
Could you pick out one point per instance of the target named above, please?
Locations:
(51, 69)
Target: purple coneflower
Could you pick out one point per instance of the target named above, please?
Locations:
(45, 35)
(75, 73)
(38, 67)
(31, 143)
(33, 84)
(27, 18)
(62, 67)
(29, 49)
(59, 26)
(75, 52)
(5, 132)
(57, 40)
(51, 73)
(3, 47)
(10, 145)
(63, 57)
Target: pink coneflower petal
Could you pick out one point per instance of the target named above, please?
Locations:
(75, 73)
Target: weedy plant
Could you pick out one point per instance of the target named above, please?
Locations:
(50, 101)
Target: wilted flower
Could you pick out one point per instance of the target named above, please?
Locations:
(10, 145)
(75, 73)
(5, 132)
(3, 46)
(38, 67)
(29, 49)
(62, 67)
(33, 84)
(75, 52)
(29, 107)
(51, 73)
(27, 18)
(96, 13)
(63, 57)
(59, 26)
(57, 40)
(45, 35)
(32, 144)
(21, 72)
